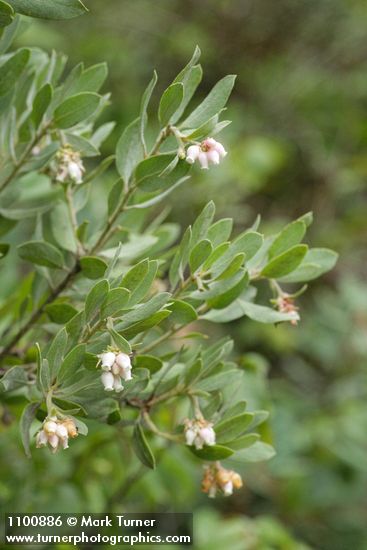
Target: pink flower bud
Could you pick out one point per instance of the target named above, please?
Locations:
(213, 156)
(203, 160)
(192, 153)
(207, 435)
(218, 147)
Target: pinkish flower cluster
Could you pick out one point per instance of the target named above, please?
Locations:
(199, 432)
(208, 152)
(216, 478)
(285, 304)
(69, 166)
(56, 433)
(116, 367)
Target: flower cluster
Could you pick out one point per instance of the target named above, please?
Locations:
(116, 367)
(216, 478)
(199, 432)
(285, 304)
(56, 433)
(69, 166)
(207, 152)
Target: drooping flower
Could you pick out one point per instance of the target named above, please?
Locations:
(216, 478)
(199, 432)
(285, 304)
(69, 166)
(208, 152)
(56, 432)
(116, 367)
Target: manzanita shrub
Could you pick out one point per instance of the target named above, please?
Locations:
(108, 322)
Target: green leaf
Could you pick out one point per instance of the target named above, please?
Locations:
(190, 83)
(6, 14)
(49, 9)
(219, 253)
(243, 442)
(204, 130)
(212, 452)
(307, 219)
(134, 277)
(153, 364)
(26, 420)
(190, 77)
(115, 196)
(316, 262)
(69, 407)
(115, 301)
(153, 166)
(212, 104)
(285, 263)
(93, 267)
(258, 452)
(199, 254)
(142, 448)
(41, 253)
(41, 103)
(158, 198)
(95, 298)
(291, 235)
(249, 243)
(120, 341)
(13, 379)
(220, 231)
(240, 308)
(202, 223)
(228, 290)
(139, 280)
(91, 79)
(60, 313)
(61, 227)
(11, 70)
(232, 427)
(147, 323)
(170, 102)
(56, 352)
(75, 327)
(232, 268)
(86, 148)
(71, 363)
(219, 381)
(75, 109)
(144, 311)
(160, 172)
(129, 150)
(192, 374)
(182, 312)
(144, 106)
(178, 264)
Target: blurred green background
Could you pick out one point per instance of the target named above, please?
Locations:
(298, 142)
